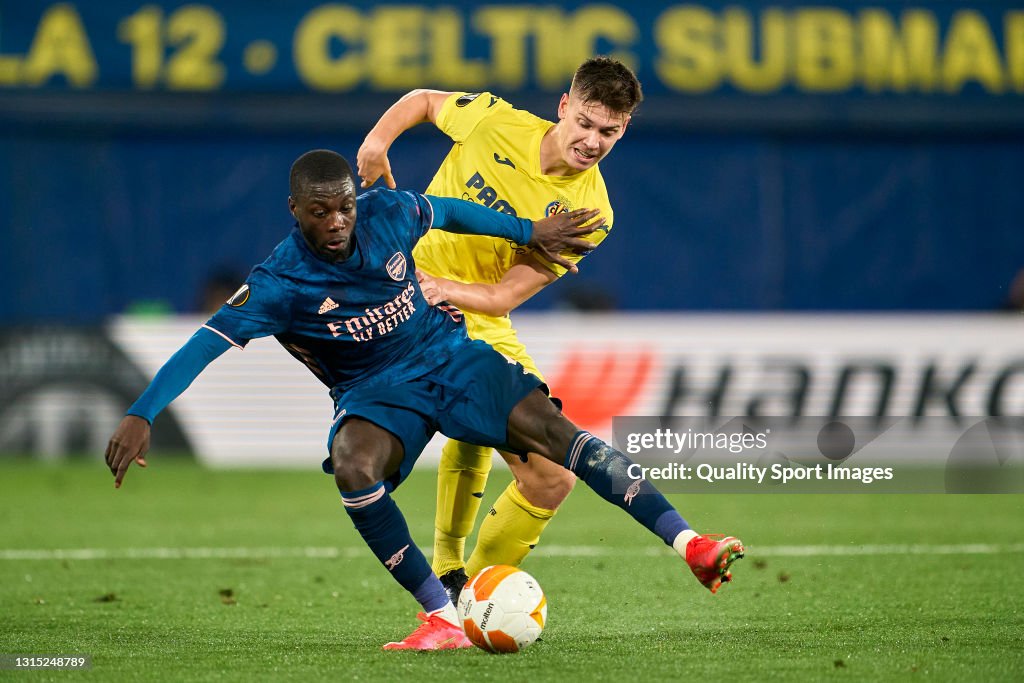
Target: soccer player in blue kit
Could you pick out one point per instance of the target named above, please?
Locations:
(340, 294)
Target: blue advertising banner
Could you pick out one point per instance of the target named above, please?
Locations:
(932, 61)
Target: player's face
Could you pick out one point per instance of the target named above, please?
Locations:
(327, 217)
(588, 132)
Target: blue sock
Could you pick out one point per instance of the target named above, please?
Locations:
(605, 470)
(381, 524)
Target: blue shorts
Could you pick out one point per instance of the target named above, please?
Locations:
(469, 398)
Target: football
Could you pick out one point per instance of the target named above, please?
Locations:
(502, 609)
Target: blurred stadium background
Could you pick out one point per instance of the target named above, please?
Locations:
(818, 206)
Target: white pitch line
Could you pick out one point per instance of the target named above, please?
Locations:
(893, 549)
(181, 553)
(799, 550)
(328, 552)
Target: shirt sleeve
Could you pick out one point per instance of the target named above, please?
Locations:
(462, 112)
(178, 373)
(260, 308)
(469, 218)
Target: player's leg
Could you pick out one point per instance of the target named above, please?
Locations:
(364, 456)
(536, 426)
(501, 403)
(461, 478)
(514, 524)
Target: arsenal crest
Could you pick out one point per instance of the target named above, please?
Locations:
(396, 266)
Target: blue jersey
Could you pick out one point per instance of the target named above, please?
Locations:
(362, 321)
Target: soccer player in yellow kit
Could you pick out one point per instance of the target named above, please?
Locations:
(518, 163)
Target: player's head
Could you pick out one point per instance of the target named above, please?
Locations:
(594, 114)
(323, 201)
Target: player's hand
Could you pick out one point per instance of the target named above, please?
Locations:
(128, 444)
(564, 231)
(432, 287)
(372, 162)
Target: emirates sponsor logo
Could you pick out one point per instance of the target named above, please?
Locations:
(378, 320)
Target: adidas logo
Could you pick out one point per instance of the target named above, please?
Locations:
(327, 305)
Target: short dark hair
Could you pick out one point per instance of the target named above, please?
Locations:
(609, 82)
(316, 167)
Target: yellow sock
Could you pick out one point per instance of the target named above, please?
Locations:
(461, 478)
(509, 531)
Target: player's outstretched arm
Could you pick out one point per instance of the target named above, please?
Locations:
(519, 283)
(131, 440)
(414, 108)
(548, 237)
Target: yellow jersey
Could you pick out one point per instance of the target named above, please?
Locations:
(495, 161)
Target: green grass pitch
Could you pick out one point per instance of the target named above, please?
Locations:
(201, 575)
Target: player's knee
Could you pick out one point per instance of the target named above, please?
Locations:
(547, 487)
(354, 474)
(363, 454)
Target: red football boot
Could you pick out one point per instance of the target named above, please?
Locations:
(433, 634)
(710, 556)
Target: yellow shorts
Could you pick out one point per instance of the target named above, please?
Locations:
(499, 333)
